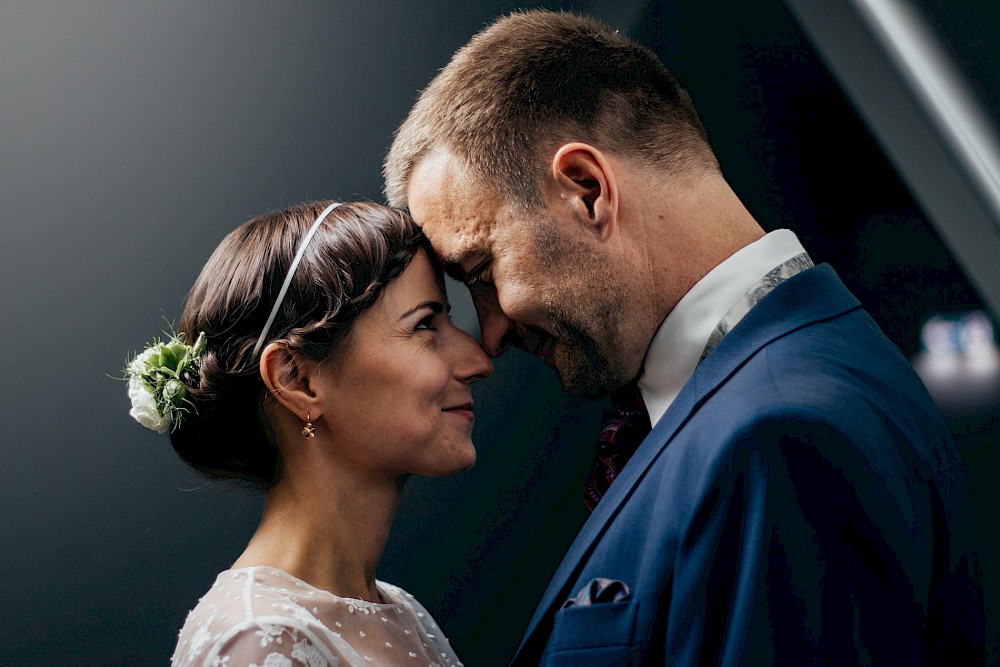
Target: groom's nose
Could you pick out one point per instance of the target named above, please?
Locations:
(496, 330)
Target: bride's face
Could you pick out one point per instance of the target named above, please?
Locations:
(399, 398)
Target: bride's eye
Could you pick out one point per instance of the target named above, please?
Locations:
(427, 323)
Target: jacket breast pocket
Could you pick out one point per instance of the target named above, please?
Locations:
(596, 634)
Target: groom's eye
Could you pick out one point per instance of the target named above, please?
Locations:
(479, 275)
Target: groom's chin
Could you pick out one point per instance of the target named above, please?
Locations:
(584, 381)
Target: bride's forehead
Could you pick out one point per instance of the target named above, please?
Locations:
(419, 278)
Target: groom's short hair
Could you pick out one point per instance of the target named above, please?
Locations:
(534, 80)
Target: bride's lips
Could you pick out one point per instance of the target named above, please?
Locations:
(463, 410)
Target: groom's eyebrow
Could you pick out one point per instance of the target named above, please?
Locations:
(453, 267)
(455, 270)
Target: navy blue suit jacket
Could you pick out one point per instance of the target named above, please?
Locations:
(801, 502)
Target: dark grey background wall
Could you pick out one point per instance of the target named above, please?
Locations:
(134, 136)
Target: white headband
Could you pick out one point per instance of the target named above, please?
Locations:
(291, 272)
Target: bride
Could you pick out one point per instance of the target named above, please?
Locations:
(315, 360)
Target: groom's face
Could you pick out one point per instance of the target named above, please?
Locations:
(532, 285)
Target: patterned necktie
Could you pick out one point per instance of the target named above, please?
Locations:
(625, 427)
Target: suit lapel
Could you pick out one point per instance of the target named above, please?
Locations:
(809, 297)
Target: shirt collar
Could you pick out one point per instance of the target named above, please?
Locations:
(678, 344)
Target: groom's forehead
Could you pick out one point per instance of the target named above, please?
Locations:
(457, 216)
(457, 242)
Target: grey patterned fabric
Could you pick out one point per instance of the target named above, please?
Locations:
(752, 297)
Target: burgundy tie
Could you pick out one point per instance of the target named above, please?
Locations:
(625, 427)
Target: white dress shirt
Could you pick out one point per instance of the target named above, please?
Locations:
(678, 344)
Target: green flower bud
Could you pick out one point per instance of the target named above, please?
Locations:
(174, 391)
(199, 345)
(156, 387)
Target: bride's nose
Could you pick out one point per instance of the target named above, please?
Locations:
(472, 364)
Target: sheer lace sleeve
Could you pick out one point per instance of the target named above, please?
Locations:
(269, 645)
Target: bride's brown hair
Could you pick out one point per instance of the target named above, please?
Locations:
(355, 253)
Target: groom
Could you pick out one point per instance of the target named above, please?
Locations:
(798, 499)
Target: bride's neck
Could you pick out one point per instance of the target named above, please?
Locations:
(326, 529)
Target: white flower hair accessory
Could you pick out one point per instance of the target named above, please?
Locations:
(157, 381)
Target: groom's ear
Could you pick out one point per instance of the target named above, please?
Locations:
(582, 179)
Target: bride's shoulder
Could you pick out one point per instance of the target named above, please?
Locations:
(248, 615)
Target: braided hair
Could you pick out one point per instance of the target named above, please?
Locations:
(356, 252)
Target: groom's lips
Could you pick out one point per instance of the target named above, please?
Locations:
(545, 350)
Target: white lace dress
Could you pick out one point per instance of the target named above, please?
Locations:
(265, 617)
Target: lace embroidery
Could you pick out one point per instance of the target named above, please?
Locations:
(268, 618)
(274, 660)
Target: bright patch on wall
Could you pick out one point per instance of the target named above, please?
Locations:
(959, 361)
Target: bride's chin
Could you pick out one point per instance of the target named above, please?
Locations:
(449, 461)
(465, 464)
(471, 460)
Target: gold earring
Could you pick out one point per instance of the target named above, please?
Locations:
(308, 431)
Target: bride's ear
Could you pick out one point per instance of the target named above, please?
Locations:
(286, 376)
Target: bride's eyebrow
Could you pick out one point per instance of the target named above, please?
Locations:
(435, 305)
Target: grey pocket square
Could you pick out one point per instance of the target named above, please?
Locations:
(598, 591)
